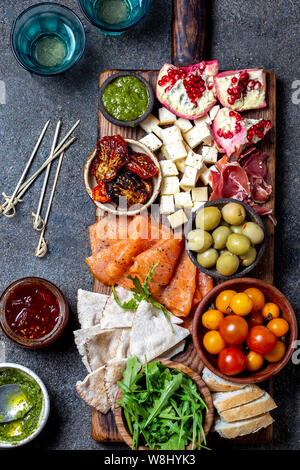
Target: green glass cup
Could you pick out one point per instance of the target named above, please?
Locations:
(114, 17)
(48, 39)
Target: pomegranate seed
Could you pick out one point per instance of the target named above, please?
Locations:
(231, 100)
(234, 80)
(172, 81)
(229, 135)
(183, 75)
(160, 82)
(257, 85)
(268, 124)
(238, 128)
(231, 113)
(177, 76)
(238, 117)
(210, 86)
(251, 84)
(168, 88)
(230, 91)
(220, 132)
(244, 76)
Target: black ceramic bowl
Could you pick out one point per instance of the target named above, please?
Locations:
(251, 216)
(117, 122)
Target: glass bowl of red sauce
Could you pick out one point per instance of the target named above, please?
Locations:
(33, 312)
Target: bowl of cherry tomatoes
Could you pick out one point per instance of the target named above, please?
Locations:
(245, 330)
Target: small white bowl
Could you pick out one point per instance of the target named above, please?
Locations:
(90, 181)
(45, 406)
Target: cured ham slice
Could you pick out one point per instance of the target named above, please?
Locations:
(178, 295)
(232, 182)
(204, 284)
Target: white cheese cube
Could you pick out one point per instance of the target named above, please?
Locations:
(157, 131)
(205, 134)
(200, 194)
(206, 118)
(163, 149)
(170, 185)
(194, 160)
(168, 168)
(193, 137)
(213, 112)
(180, 164)
(166, 204)
(177, 219)
(152, 142)
(189, 178)
(183, 201)
(166, 117)
(176, 151)
(210, 154)
(184, 124)
(171, 135)
(197, 205)
(149, 123)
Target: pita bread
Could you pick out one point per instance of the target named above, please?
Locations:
(102, 347)
(80, 337)
(173, 351)
(123, 348)
(113, 373)
(113, 315)
(89, 307)
(93, 392)
(151, 334)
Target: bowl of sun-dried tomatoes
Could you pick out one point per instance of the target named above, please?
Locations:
(122, 176)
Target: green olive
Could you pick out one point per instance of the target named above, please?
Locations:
(254, 232)
(208, 258)
(238, 244)
(199, 240)
(208, 218)
(234, 213)
(236, 228)
(227, 264)
(249, 257)
(220, 235)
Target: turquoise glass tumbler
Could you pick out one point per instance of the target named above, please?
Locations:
(48, 39)
(114, 17)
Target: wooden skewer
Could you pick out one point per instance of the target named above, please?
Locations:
(9, 205)
(41, 249)
(38, 221)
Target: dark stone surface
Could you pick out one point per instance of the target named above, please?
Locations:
(241, 34)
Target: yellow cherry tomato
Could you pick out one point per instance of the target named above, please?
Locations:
(270, 311)
(277, 353)
(241, 304)
(257, 298)
(211, 319)
(278, 326)
(254, 361)
(223, 300)
(213, 342)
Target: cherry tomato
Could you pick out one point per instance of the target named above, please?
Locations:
(255, 318)
(277, 353)
(278, 326)
(232, 361)
(241, 304)
(223, 300)
(233, 329)
(261, 340)
(270, 311)
(213, 342)
(211, 319)
(257, 297)
(254, 361)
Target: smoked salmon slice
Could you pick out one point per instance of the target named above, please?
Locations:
(108, 231)
(179, 293)
(204, 284)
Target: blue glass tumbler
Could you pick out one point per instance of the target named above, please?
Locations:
(48, 39)
(114, 17)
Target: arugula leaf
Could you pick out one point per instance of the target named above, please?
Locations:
(149, 278)
(133, 366)
(132, 304)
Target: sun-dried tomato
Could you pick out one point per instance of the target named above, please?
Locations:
(111, 156)
(142, 165)
(99, 193)
(131, 186)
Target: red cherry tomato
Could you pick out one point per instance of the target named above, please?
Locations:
(261, 340)
(232, 361)
(233, 329)
(255, 318)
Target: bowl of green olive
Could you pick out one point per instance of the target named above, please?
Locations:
(225, 238)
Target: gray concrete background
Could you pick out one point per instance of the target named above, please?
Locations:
(241, 34)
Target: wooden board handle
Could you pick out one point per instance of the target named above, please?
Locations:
(188, 31)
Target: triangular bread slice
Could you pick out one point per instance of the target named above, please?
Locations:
(243, 427)
(92, 390)
(226, 400)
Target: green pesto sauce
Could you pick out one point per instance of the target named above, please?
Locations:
(126, 98)
(19, 429)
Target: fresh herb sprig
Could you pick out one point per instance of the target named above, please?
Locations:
(162, 407)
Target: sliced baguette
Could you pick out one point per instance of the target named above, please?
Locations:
(217, 384)
(249, 410)
(243, 427)
(226, 400)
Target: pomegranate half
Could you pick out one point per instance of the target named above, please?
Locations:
(189, 92)
(241, 89)
(233, 132)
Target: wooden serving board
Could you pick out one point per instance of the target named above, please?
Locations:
(103, 426)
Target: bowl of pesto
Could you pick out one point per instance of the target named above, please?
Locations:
(126, 99)
(33, 417)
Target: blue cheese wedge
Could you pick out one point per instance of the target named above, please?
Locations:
(170, 185)
(177, 219)
(152, 142)
(166, 204)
